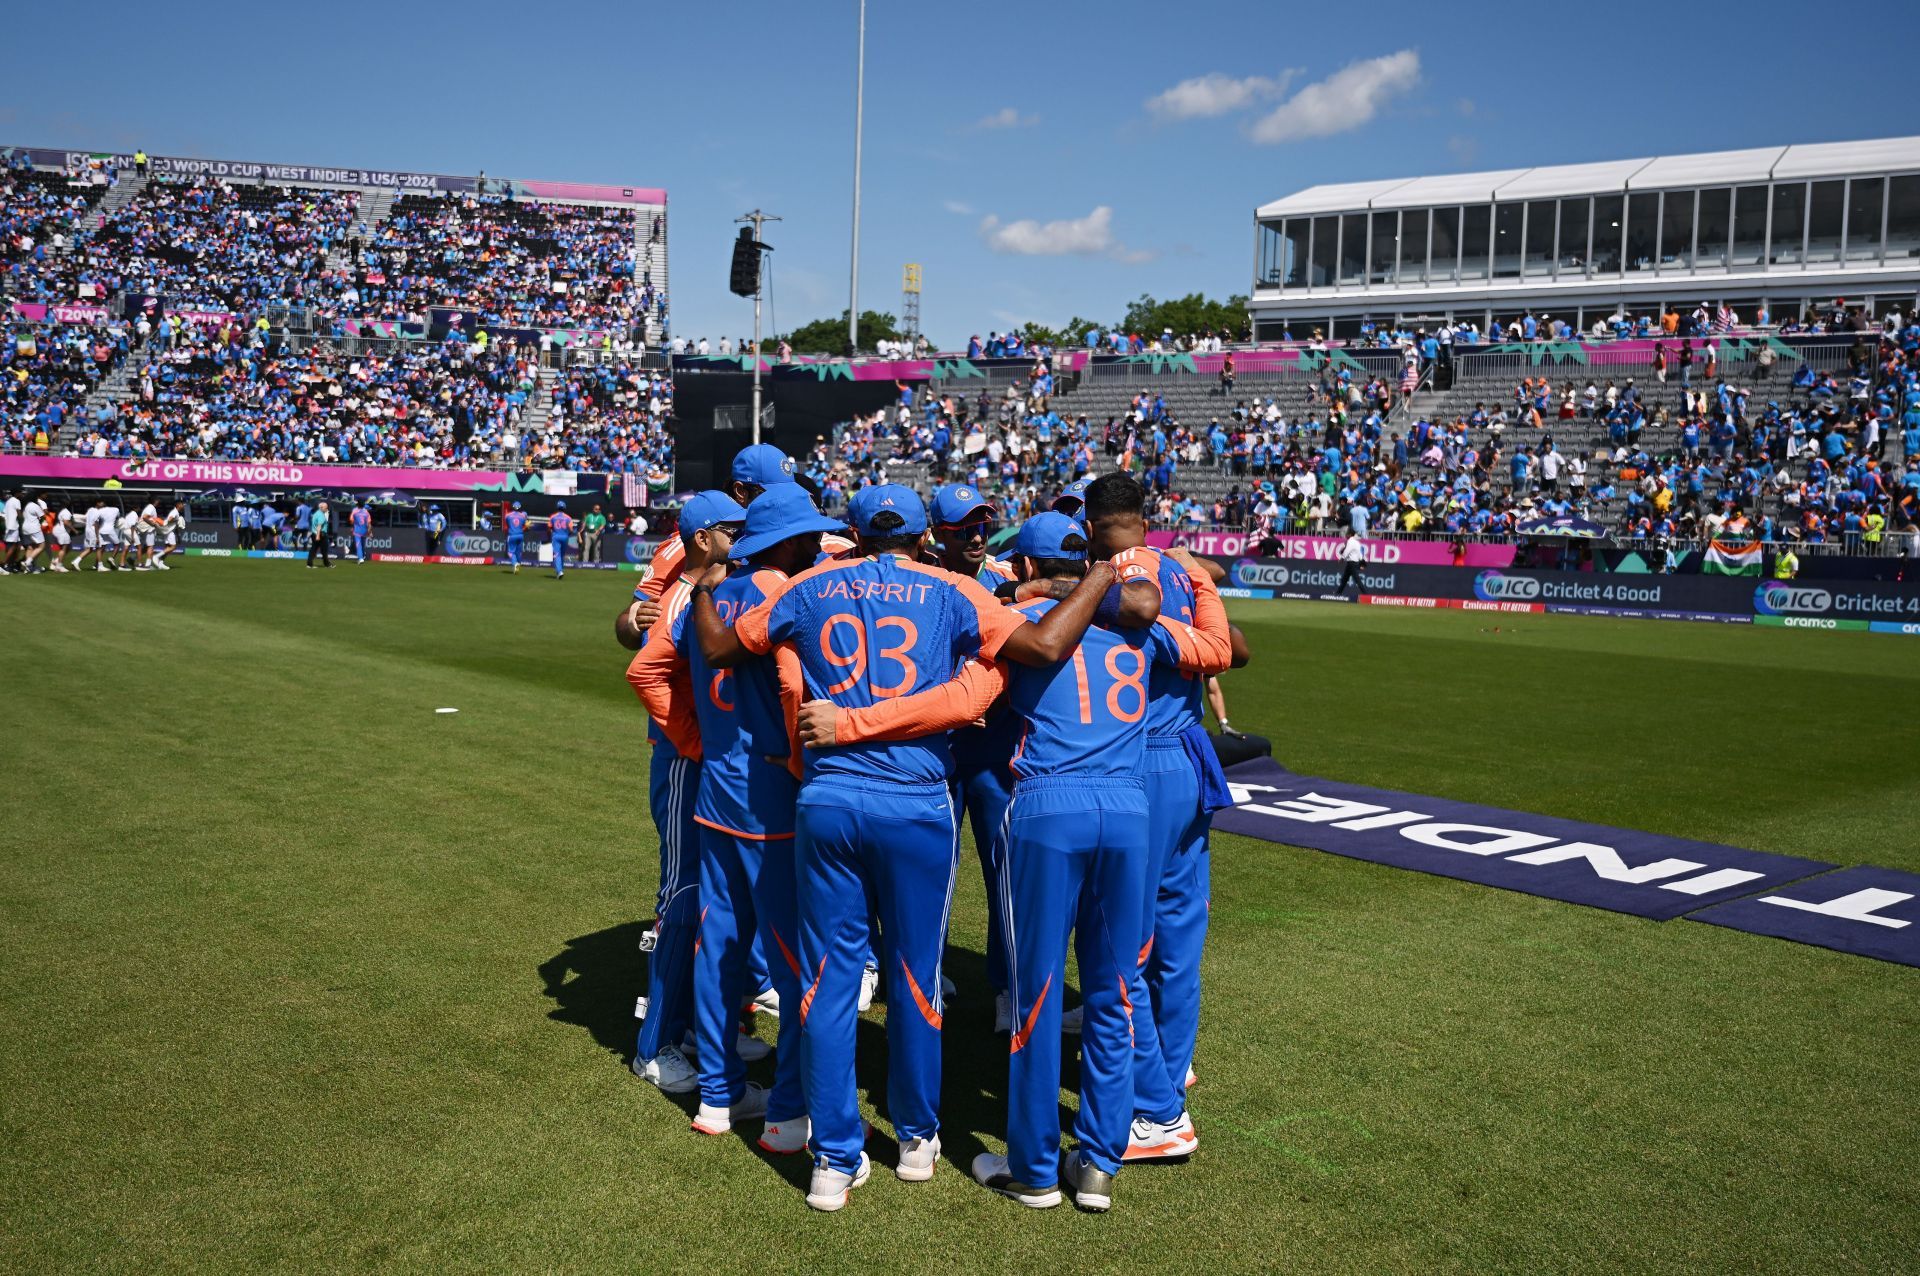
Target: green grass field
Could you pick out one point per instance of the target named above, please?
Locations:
(300, 975)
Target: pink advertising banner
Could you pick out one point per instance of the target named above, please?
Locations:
(40, 312)
(1327, 548)
(47, 469)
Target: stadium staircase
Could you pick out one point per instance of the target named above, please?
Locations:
(650, 261)
(374, 207)
(122, 193)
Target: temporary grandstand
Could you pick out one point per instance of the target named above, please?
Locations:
(1776, 228)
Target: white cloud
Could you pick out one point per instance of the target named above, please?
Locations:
(1463, 148)
(1347, 99)
(957, 208)
(1213, 94)
(1089, 236)
(1006, 117)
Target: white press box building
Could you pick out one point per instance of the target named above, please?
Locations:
(1782, 226)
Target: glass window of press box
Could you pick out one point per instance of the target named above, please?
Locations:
(1787, 225)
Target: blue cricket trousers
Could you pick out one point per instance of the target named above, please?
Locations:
(984, 793)
(514, 544)
(1076, 861)
(672, 782)
(746, 888)
(559, 556)
(1166, 986)
(902, 842)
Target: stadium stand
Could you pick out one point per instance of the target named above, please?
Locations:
(274, 320)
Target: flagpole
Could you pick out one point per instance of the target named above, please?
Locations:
(859, 112)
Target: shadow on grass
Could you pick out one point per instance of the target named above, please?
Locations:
(594, 979)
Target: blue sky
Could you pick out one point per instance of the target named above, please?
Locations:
(1040, 162)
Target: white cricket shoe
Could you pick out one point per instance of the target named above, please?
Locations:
(713, 1120)
(649, 937)
(1161, 1140)
(158, 566)
(1071, 1020)
(790, 1135)
(917, 1159)
(869, 984)
(990, 1171)
(829, 1188)
(668, 1070)
(57, 567)
(1193, 1078)
(640, 1007)
(751, 1049)
(947, 991)
(1092, 1186)
(1003, 1012)
(767, 1003)
(144, 567)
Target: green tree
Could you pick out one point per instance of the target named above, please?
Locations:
(1187, 315)
(829, 336)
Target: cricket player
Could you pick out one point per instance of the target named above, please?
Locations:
(515, 521)
(559, 532)
(749, 784)
(360, 521)
(1184, 786)
(149, 531)
(1076, 860)
(659, 675)
(127, 533)
(879, 819)
(755, 469)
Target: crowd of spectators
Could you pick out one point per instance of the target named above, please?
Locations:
(516, 263)
(47, 370)
(41, 215)
(208, 244)
(1671, 461)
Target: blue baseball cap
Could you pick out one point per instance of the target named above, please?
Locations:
(1074, 494)
(560, 505)
(782, 511)
(704, 509)
(762, 464)
(904, 501)
(1041, 537)
(957, 502)
(516, 505)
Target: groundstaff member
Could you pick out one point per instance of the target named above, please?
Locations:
(320, 535)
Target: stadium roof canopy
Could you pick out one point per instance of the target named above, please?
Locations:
(1820, 159)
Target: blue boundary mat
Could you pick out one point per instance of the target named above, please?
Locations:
(1866, 911)
(1622, 870)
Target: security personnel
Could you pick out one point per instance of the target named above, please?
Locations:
(436, 525)
(1786, 564)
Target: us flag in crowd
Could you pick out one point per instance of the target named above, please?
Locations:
(633, 491)
(1723, 320)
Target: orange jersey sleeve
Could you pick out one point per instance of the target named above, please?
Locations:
(997, 620)
(1206, 647)
(659, 676)
(751, 627)
(664, 568)
(793, 683)
(1142, 562)
(951, 704)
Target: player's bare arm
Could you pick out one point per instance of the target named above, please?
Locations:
(719, 644)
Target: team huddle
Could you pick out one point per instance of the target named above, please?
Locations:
(824, 713)
(40, 534)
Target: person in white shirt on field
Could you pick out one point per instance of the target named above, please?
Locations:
(126, 535)
(1353, 556)
(146, 529)
(62, 538)
(33, 532)
(171, 528)
(90, 538)
(10, 531)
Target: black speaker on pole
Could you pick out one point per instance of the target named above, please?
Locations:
(745, 280)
